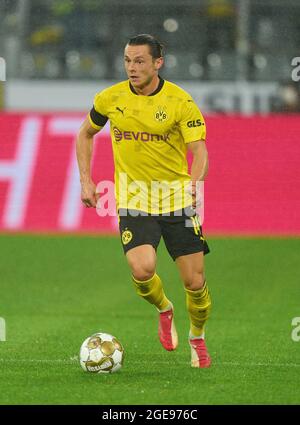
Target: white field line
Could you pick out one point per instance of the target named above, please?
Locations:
(16, 361)
(76, 360)
(258, 364)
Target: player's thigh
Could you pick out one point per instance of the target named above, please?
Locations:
(183, 236)
(140, 237)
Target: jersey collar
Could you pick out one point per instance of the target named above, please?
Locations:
(159, 87)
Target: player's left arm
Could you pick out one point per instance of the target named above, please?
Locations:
(193, 130)
(199, 168)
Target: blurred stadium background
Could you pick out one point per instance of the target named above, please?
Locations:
(234, 57)
(238, 59)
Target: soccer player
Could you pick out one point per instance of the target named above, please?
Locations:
(153, 124)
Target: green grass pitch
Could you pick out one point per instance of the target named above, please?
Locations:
(56, 291)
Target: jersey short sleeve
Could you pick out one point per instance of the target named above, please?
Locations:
(97, 115)
(191, 123)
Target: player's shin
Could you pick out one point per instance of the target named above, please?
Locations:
(198, 305)
(152, 291)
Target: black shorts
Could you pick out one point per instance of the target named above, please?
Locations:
(182, 234)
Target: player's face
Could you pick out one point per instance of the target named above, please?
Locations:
(140, 66)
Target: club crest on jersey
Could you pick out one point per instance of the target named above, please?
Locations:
(161, 114)
(126, 236)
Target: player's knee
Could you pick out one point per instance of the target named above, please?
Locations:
(142, 274)
(194, 281)
(143, 271)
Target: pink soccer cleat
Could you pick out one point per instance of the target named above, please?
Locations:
(167, 331)
(200, 357)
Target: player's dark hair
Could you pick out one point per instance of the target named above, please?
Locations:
(156, 48)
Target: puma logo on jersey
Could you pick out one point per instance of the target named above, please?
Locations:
(120, 110)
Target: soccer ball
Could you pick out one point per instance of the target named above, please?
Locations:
(101, 353)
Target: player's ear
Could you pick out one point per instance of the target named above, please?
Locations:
(159, 63)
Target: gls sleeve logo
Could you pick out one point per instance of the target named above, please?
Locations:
(194, 123)
(296, 331)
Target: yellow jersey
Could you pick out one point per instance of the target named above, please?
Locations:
(149, 138)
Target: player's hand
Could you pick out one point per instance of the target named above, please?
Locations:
(89, 197)
(196, 201)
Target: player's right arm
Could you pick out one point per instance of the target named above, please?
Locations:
(84, 150)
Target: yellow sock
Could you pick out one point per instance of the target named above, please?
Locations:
(152, 291)
(198, 305)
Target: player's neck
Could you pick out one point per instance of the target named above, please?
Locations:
(149, 88)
